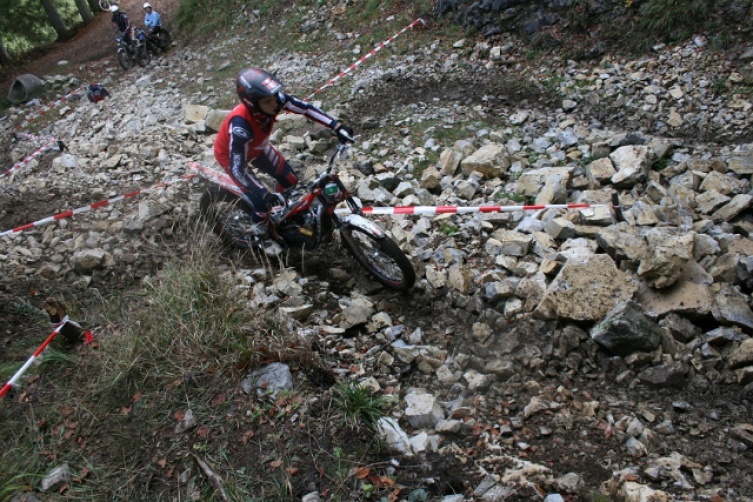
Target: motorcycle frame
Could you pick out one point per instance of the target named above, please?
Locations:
(327, 209)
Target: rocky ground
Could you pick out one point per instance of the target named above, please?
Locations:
(541, 354)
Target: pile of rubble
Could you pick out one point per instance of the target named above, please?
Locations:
(555, 325)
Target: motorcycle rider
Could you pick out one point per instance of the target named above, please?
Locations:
(122, 24)
(152, 20)
(244, 138)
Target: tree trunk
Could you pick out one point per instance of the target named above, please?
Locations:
(94, 5)
(5, 58)
(55, 19)
(85, 11)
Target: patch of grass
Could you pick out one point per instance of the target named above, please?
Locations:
(598, 497)
(672, 19)
(52, 357)
(719, 86)
(190, 320)
(169, 347)
(660, 165)
(448, 229)
(514, 197)
(359, 406)
(552, 84)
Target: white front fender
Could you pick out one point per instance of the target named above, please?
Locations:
(358, 221)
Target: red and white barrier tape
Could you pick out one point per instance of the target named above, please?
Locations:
(379, 47)
(26, 135)
(216, 176)
(96, 205)
(427, 210)
(226, 182)
(8, 386)
(52, 105)
(18, 165)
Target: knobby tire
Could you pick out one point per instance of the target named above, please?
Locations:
(223, 211)
(165, 40)
(125, 60)
(381, 257)
(144, 56)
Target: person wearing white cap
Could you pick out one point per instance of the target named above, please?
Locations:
(122, 24)
(152, 20)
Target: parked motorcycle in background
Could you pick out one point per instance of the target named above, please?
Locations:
(159, 41)
(135, 51)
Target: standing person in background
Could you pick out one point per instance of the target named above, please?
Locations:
(152, 21)
(122, 24)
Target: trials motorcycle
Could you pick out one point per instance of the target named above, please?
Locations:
(306, 220)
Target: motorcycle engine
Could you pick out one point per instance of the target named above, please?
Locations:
(300, 232)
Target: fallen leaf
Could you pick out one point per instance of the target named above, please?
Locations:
(162, 463)
(136, 397)
(246, 436)
(386, 481)
(66, 411)
(174, 383)
(275, 464)
(203, 432)
(219, 399)
(361, 472)
(291, 470)
(180, 415)
(125, 410)
(170, 471)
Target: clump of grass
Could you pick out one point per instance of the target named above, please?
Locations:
(359, 406)
(188, 321)
(672, 19)
(449, 229)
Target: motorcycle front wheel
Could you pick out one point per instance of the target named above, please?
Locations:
(144, 56)
(124, 59)
(226, 215)
(381, 257)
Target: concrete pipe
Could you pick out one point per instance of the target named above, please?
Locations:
(24, 88)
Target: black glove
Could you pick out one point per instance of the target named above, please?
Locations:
(273, 199)
(344, 133)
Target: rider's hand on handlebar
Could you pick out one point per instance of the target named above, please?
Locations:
(344, 133)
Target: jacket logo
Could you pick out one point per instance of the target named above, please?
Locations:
(240, 132)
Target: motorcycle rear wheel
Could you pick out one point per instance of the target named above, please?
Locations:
(125, 59)
(144, 56)
(228, 217)
(165, 40)
(381, 257)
